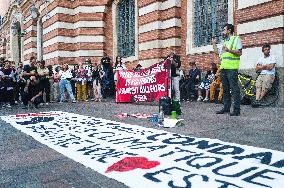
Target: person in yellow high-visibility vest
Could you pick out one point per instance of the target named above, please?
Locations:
(229, 51)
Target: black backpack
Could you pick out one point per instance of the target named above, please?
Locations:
(166, 104)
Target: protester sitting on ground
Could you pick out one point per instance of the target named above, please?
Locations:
(97, 76)
(81, 83)
(205, 84)
(119, 66)
(43, 76)
(214, 86)
(266, 68)
(32, 93)
(194, 80)
(65, 77)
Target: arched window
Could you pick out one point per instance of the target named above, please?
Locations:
(126, 28)
(209, 18)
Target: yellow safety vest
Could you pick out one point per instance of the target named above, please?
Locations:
(229, 60)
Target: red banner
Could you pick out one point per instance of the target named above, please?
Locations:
(149, 84)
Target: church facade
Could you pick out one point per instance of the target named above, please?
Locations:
(141, 31)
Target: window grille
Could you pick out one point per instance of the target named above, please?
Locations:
(126, 28)
(209, 18)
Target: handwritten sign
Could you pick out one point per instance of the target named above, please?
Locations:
(149, 84)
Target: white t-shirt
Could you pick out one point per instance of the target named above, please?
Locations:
(266, 61)
(65, 75)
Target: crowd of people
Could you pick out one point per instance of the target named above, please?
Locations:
(35, 83)
(38, 84)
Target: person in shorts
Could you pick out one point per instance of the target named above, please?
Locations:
(266, 69)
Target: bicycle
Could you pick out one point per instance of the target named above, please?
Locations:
(248, 90)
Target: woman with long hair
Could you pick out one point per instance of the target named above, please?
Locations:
(118, 66)
(65, 77)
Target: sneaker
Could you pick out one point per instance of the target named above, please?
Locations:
(47, 104)
(206, 100)
(8, 106)
(199, 99)
(74, 101)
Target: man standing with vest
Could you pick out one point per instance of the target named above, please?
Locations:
(230, 51)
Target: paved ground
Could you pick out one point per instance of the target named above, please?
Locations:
(25, 162)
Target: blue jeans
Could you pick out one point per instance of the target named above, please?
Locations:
(230, 83)
(65, 84)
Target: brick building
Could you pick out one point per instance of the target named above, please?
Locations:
(143, 31)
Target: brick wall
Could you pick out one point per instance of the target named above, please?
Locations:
(162, 27)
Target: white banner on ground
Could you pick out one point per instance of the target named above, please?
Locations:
(145, 157)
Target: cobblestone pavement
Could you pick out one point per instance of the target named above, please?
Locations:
(25, 162)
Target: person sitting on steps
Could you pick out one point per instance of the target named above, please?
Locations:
(194, 79)
(266, 68)
(205, 84)
(213, 87)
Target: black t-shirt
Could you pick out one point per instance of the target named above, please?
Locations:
(7, 80)
(174, 68)
(34, 89)
(29, 69)
(193, 73)
(176, 58)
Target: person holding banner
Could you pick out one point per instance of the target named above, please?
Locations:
(118, 67)
(175, 65)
